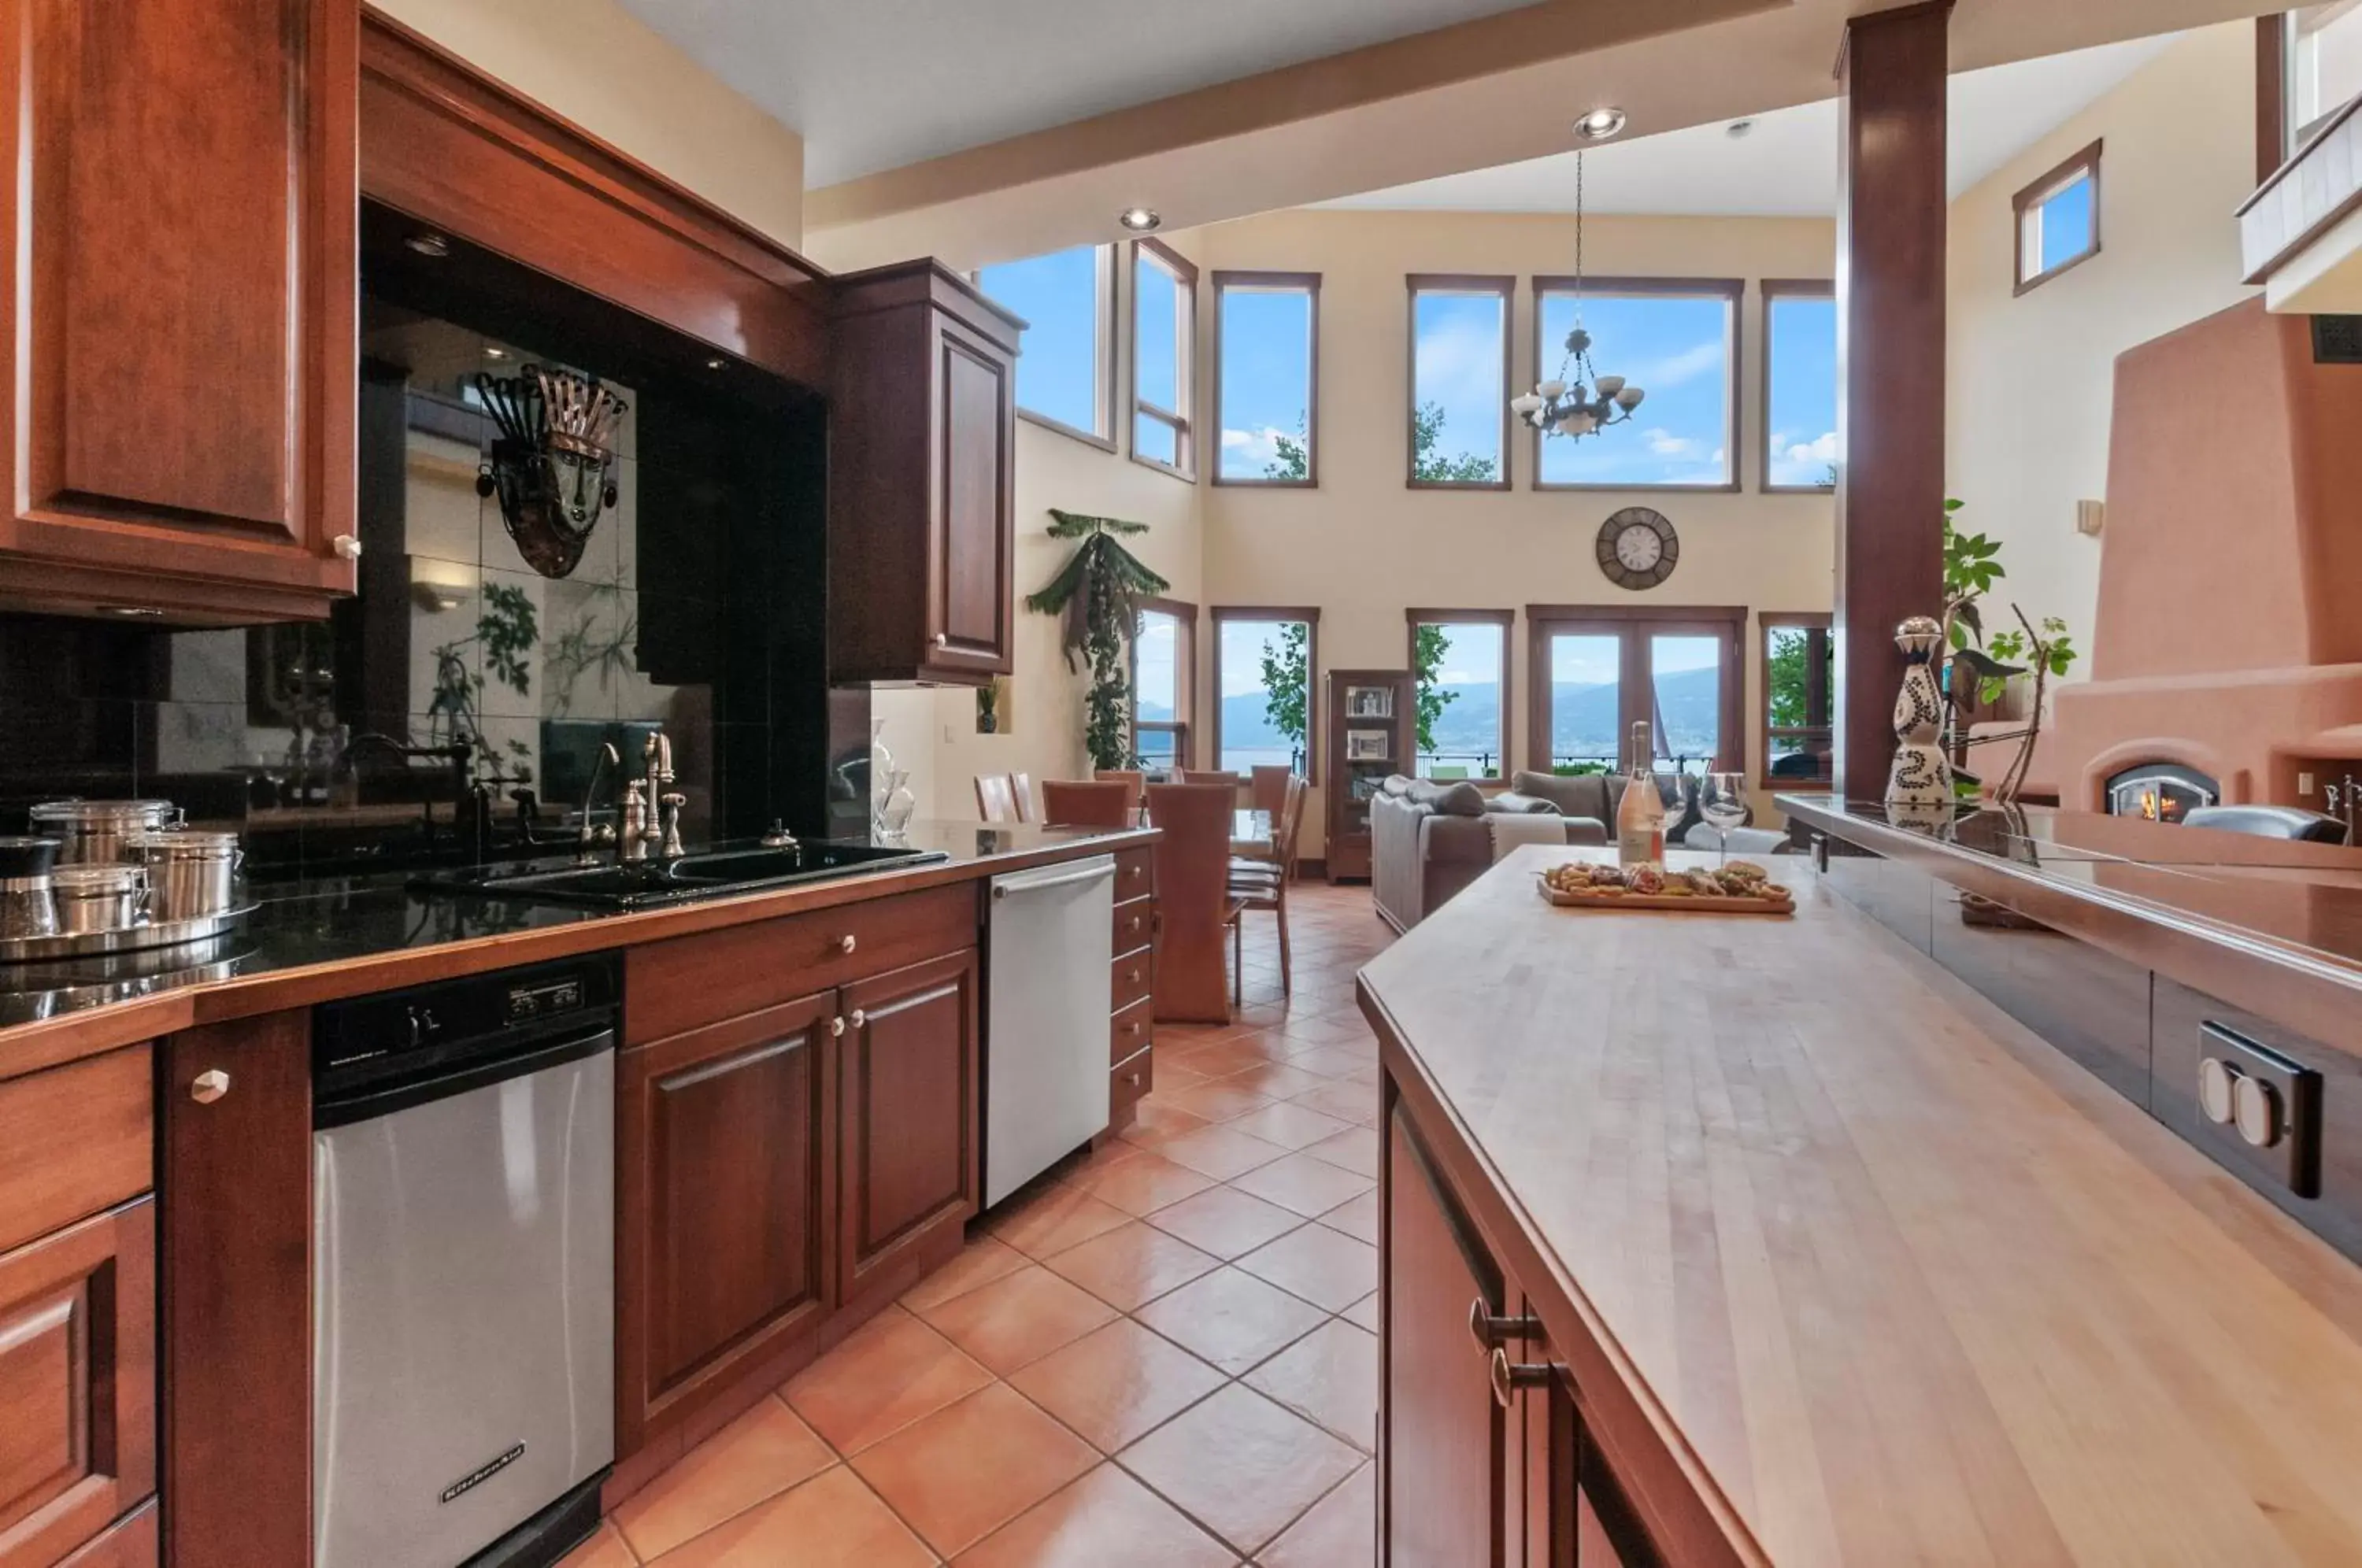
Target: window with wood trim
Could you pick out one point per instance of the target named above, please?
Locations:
(1066, 366)
(1266, 683)
(1677, 340)
(1164, 683)
(1267, 378)
(1800, 384)
(1597, 669)
(2320, 67)
(1460, 661)
(2058, 226)
(1164, 354)
(1459, 428)
(1799, 677)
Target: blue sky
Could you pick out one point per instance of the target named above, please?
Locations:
(2065, 224)
(1675, 349)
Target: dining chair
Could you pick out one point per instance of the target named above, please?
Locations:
(1267, 793)
(1104, 802)
(1265, 888)
(1194, 904)
(1210, 776)
(1132, 778)
(995, 797)
(1021, 786)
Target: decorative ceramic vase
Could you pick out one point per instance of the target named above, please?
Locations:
(894, 815)
(1919, 787)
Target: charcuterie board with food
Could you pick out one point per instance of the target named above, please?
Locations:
(1739, 888)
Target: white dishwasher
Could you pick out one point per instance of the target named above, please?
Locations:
(1045, 1066)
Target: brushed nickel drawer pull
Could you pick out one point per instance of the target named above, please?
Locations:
(859, 1020)
(845, 943)
(1490, 1331)
(1511, 1377)
(209, 1085)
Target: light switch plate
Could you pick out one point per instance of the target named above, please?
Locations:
(2293, 1158)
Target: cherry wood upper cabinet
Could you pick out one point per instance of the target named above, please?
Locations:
(908, 1110)
(180, 274)
(921, 500)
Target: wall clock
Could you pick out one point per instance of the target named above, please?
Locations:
(1638, 548)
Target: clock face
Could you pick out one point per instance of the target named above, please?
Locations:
(1638, 548)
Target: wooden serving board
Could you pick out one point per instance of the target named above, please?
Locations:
(1776, 902)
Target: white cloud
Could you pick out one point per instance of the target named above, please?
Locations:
(1460, 363)
(1665, 443)
(1824, 450)
(1253, 447)
(1680, 368)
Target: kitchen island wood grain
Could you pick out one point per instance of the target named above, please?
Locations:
(1839, 1263)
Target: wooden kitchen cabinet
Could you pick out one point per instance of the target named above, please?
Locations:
(179, 415)
(906, 1101)
(726, 1182)
(921, 503)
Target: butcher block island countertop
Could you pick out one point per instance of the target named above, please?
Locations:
(1839, 1263)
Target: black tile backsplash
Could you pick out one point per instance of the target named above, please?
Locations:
(698, 607)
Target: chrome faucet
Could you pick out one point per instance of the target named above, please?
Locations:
(661, 829)
(588, 838)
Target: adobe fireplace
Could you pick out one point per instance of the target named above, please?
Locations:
(2160, 791)
(2226, 658)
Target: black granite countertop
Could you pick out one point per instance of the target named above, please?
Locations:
(309, 925)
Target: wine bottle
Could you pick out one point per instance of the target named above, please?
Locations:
(1641, 815)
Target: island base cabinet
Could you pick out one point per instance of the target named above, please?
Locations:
(909, 1089)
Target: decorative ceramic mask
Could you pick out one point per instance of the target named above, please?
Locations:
(553, 463)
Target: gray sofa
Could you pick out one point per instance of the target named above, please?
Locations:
(1428, 840)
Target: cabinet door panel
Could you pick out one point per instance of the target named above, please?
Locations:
(974, 540)
(182, 401)
(1443, 1444)
(909, 1108)
(723, 1153)
(78, 1382)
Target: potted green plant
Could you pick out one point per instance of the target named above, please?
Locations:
(1098, 593)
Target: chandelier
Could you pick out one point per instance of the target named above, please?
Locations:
(1578, 401)
(553, 463)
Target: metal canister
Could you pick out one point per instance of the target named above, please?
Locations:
(98, 832)
(98, 897)
(190, 874)
(29, 905)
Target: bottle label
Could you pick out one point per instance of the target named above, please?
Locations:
(1641, 845)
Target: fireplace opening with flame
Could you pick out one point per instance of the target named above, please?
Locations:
(2160, 791)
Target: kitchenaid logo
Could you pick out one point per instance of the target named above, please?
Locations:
(481, 1474)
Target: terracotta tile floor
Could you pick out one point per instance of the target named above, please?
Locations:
(1161, 1356)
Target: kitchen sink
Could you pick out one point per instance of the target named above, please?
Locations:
(649, 884)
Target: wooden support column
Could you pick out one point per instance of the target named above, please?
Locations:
(1891, 217)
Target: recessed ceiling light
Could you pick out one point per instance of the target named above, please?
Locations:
(1600, 124)
(496, 353)
(1739, 130)
(429, 244)
(717, 363)
(1139, 220)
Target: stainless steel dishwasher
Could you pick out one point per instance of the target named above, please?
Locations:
(1045, 1041)
(463, 1293)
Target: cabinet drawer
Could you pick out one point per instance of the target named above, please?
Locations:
(1130, 1032)
(74, 1140)
(1126, 1083)
(1135, 872)
(1133, 978)
(694, 980)
(1135, 925)
(78, 1368)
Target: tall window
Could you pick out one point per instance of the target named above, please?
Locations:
(1267, 670)
(2322, 62)
(1163, 347)
(1599, 668)
(1163, 681)
(1796, 683)
(2058, 219)
(1800, 385)
(1677, 340)
(1461, 661)
(1066, 376)
(1459, 381)
(1266, 377)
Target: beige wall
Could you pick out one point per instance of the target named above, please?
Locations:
(1364, 548)
(601, 67)
(2031, 377)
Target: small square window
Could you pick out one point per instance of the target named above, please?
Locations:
(2058, 219)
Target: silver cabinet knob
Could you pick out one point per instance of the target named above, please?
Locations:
(348, 545)
(2256, 1106)
(209, 1085)
(2217, 1091)
(845, 943)
(836, 1027)
(859, 1020)
(943, 640)
(1511, 1377)
(1491, 1332)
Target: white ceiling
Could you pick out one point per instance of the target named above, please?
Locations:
(1786, 166)
(874, 84)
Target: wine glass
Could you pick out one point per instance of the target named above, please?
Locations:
(1723, 803)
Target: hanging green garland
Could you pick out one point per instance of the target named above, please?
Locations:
(1098, 590)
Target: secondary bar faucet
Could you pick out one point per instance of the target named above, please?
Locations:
(661, 828)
